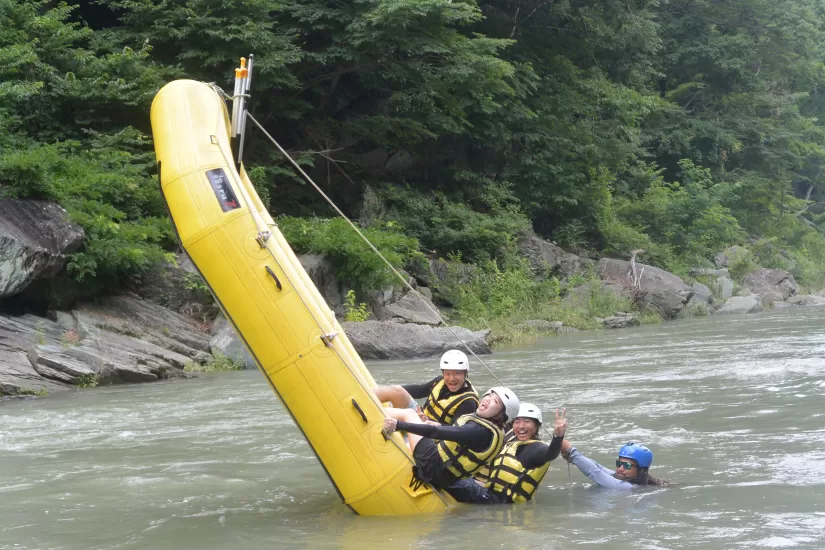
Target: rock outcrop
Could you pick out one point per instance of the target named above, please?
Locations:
(662, 292)
(35, 237)
(388, 340)
(119, 339)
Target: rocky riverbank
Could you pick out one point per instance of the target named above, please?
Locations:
(168, 325)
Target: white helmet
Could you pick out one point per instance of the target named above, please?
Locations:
(528, 410)
(455, 360)
(508, 397)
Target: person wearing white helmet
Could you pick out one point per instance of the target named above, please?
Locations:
(445, 454)
(516, 472)
(449, 396)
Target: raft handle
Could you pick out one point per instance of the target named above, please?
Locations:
(277, 282)
(358, 408)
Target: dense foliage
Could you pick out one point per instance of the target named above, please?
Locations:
(679, 127)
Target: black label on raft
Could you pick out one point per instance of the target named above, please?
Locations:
(223, 189)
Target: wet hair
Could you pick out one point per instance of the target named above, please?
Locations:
(644, 478)
(500, 419)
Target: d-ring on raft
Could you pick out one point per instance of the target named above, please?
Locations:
(265, 293)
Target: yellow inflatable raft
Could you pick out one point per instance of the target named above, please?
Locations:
(269, 298)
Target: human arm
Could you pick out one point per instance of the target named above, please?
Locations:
(420, 391)
(594, 471)
(539, 454)
(470, 435)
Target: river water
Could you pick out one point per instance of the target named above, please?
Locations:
(732, 407)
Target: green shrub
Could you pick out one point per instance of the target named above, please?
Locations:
(357, 313)
(88, 380)
(352, 258)
(218, 362)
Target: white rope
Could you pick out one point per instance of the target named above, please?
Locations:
(374, 249)
(367, 241)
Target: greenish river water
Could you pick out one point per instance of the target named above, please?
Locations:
(732, 407)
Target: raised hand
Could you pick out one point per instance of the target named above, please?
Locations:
(565, 449)
(561, 424)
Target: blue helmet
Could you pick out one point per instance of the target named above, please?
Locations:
(637, 452)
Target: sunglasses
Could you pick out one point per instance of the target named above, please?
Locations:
(625, 465)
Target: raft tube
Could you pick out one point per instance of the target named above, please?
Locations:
(267, 295)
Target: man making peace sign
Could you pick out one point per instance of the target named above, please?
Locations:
(516, 472)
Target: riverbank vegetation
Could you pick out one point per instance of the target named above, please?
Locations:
(446, 128)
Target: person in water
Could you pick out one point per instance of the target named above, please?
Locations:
(445, 454)
(632, 467)
(516, 472)
(449, 396)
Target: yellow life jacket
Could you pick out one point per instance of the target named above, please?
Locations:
(443, 410)
(510, 478)
(464, 462)
(484, 475)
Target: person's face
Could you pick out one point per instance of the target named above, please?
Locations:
(525, 429)
(454, 379)
(490, 406)
(622, 470)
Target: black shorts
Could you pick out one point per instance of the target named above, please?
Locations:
(428, 464)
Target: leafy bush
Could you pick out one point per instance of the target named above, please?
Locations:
(353, 259)
(218, 362)
(451, 228)
(357, 313)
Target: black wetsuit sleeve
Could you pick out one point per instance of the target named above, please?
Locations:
(539, 454)
(471, 435)
(468, 406)
(420, 391)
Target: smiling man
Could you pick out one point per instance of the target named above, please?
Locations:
(449, 396)
(516, 472)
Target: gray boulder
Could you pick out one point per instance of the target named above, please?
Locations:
(723, 287)
(547, 259)
(701, 293)
(387, 340)
(621, 320)
(662, 292)
(806, 300)
(740, 305)
(412, 309)
(776, 284)
(35, 237)
(226, 341)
